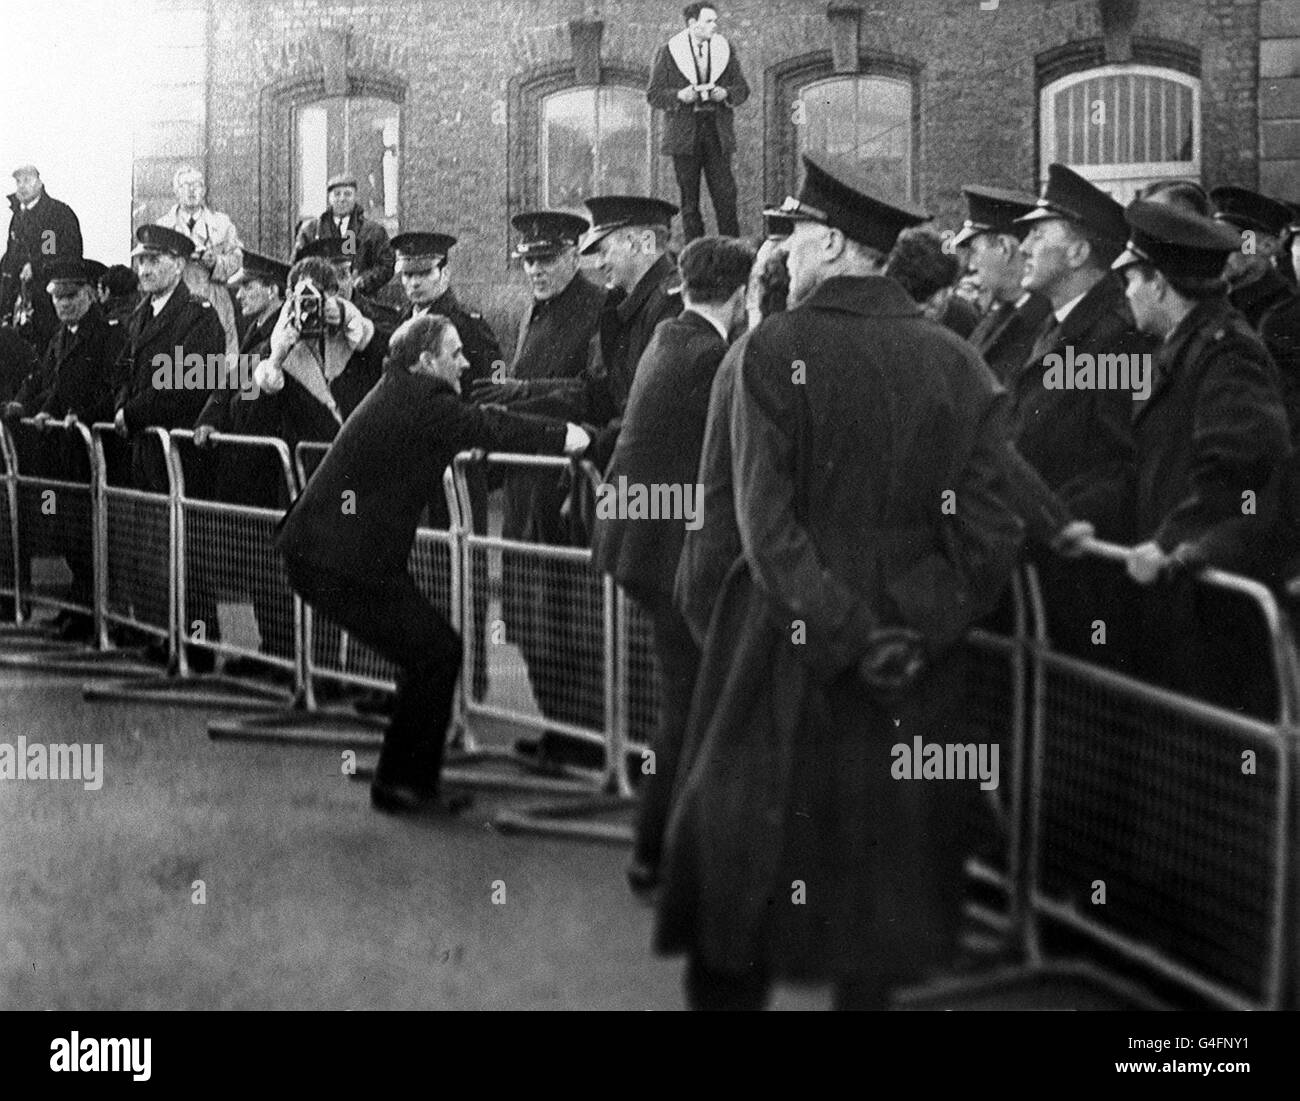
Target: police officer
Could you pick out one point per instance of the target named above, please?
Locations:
(75, 381)
(1006, 333)
(832, 637)
(1212, 438)
(556, 630)
(1258, 290)
(169, 322)
(425, 272)
(629, 238)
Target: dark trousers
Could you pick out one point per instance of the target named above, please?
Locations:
(708, 158)
(388, 613)
(679, 665)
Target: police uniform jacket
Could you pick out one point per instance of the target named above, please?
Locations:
(76, 374)
(185, 322)
(1005, 335)
(663, 431)
(1081, 441)
(389, 457)
(1213, 428)
(480, 343)
(840, 483)
(554, 343)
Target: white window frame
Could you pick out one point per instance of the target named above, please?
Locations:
(904, 83)
(543, 152)
(1129, 174)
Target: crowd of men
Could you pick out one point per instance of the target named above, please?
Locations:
(880, 420)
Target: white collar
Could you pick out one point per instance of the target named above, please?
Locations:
(681, 48)
(1068, 308)
(1020, 301)
(159, 304)
(712, 321)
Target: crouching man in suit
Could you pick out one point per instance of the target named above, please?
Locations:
(347, 539)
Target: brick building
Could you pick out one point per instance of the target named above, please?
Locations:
(457, 115)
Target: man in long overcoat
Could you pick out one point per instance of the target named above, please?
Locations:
(867, 449)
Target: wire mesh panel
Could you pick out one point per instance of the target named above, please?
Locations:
(138, 578)
(641, 688)
(227, 555)
(1160, 819)
(54, 493)
(546, 662)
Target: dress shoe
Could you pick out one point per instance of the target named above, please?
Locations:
(397, 798)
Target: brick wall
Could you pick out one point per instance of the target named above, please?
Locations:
(454, 63)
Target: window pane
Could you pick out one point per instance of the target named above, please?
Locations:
(866, 120)
(357, 135)
(594, 140)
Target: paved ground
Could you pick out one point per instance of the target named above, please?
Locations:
(313, 901)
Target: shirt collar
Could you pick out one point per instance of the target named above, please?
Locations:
(160, 304)
(699, 313)
(1068, 308)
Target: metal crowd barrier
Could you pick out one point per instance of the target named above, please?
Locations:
(1150, 845)
(1188, 811)
(51, 510)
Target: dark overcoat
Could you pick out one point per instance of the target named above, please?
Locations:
(663, 431)
(790, 844)
(390, 455)
(374, 260)
(185, 322)
(1081, 441)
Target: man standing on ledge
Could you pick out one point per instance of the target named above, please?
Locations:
(696, 80)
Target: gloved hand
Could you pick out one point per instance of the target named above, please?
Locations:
(13, 410)
(203, 435)
(894, 659)
(1070, 539)
(485, 390)
(1145, 563)
(42, 421)
(576, 440)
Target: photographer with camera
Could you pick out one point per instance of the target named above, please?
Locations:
(312, 348)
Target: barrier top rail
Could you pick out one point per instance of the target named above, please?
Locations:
(67, 423)
(516, 459)
(266, 443)
(1279, 631)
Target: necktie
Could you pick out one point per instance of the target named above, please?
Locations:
(194, 220)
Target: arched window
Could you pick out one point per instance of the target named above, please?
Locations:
(863, 119)
(1123, 126)
(593, 140)
(359, 134)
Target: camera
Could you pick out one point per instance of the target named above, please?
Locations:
(307, 309)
